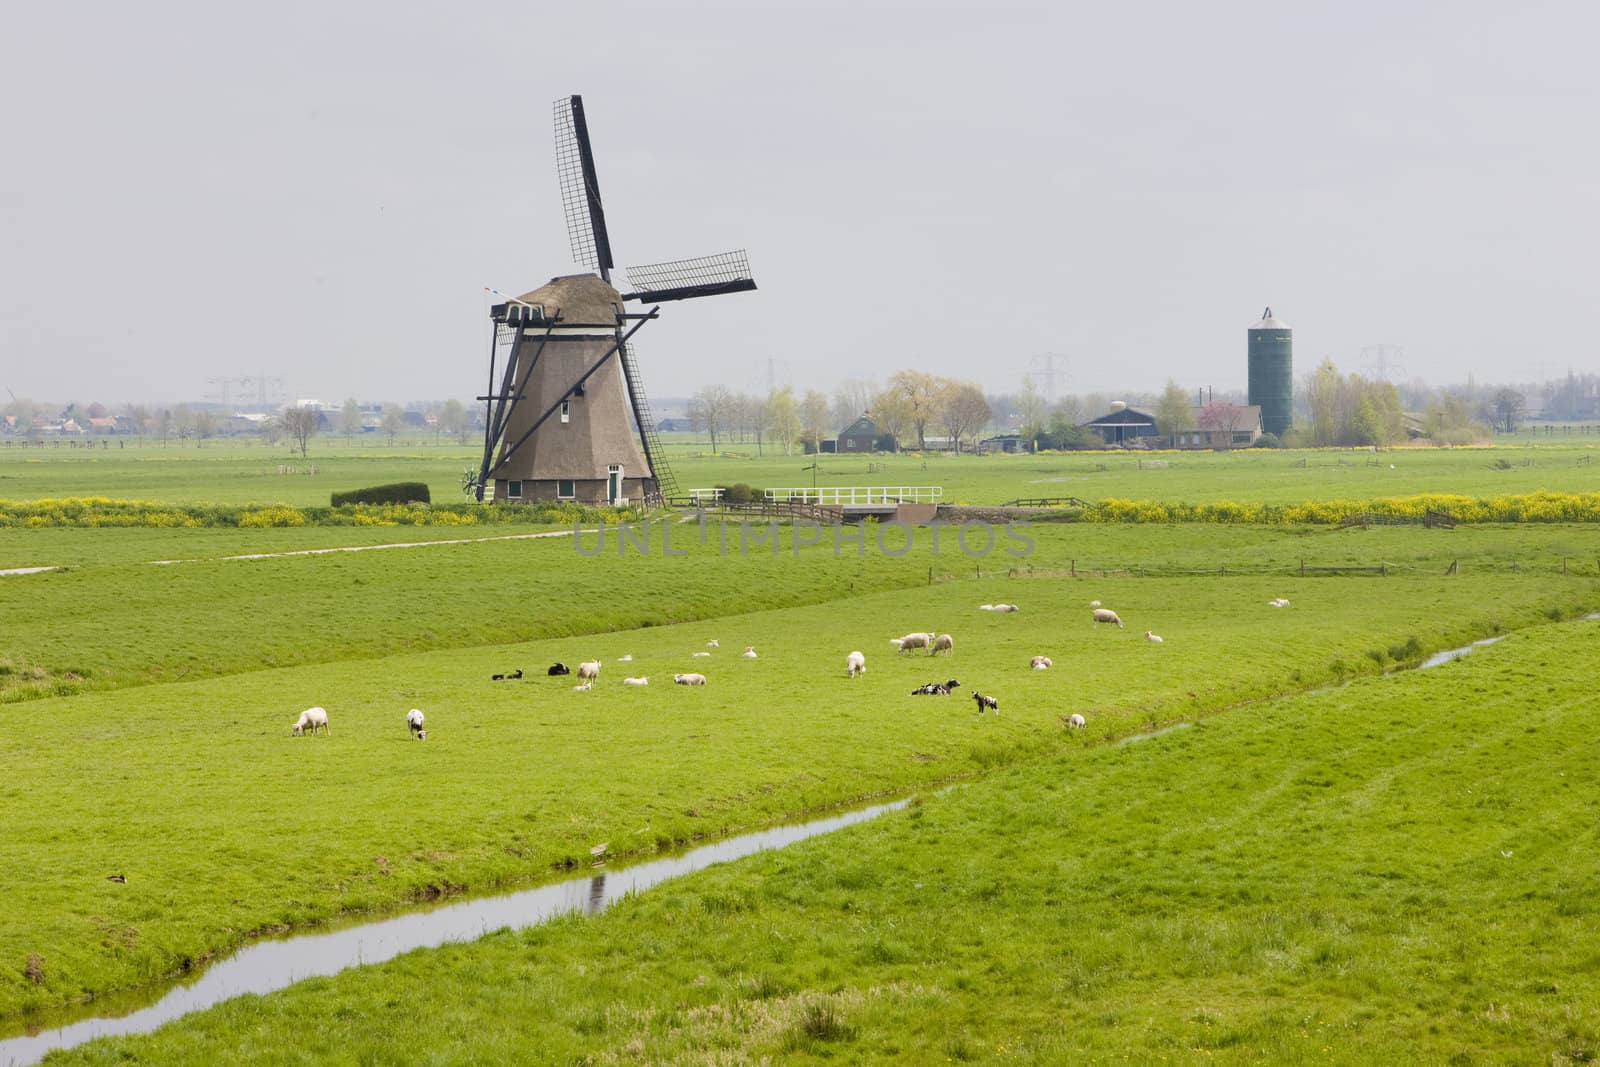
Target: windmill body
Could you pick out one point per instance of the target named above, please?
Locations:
(587, 451)
(561, 412)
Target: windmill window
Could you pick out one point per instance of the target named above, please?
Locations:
(564, 489)
(566, 411)
(514, 490)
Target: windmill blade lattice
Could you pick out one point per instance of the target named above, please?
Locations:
(685, 279)
(580, 188)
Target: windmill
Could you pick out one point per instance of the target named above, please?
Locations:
(560, 424)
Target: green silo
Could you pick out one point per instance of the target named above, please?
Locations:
(1272, 372)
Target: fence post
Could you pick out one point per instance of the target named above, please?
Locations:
(1073, 568)
(930, 575)
(1383, 569)
(1302, 568)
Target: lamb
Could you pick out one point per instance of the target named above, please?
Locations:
(936, 689)
(1094, 603)
(855, 664)
(589, 671)
(558, 669)
(985, 703)
(1041, 663)
(689, 679)
(985, 607)
(749, 652)
(309, 720)
(1075, 721)
(1278, 603)
(516, 673)
(699, 654)
(414, 722)
(1006, 607)
(1106, 615)
(712, 643)
(636, 681)
(917, 640)
(942, 643)
(584, 688)
(1153, 638)
(624, 659)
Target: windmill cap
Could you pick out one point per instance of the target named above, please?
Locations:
(580, 299)
(1269, 323)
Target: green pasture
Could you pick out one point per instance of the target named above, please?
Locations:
(231, 472)
(225, 826)
(1398, 871)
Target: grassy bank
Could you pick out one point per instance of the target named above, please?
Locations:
(1400, 871)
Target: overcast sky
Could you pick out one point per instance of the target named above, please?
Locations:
(319, 192)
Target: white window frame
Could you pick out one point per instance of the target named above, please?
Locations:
(572, 489)
(514, 489)
(566, 411)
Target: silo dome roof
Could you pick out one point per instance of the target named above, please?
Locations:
(1268, 322)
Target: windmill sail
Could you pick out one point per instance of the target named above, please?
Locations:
(685, 279)
(580, 189)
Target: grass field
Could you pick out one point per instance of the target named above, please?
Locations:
(233, 473)
(1299, 868)
(1341, 877)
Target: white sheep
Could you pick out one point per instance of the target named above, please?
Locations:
(1094, 603)
(584, 688)
(1153, 638)
(310, 720)
(689, 679)
(1278, 603)
(1106, 615)
(624, 659)
(590, 671)
(749, 652)
(697, 655)
(942, 643)
(855, 664)
(985, 607)
(414, 722)
(917, 640)
(636, 681)
(1041, 663)
(1075, 721)
(1006, 607)
(712, 643)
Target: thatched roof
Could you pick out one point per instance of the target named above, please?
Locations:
(580, 299)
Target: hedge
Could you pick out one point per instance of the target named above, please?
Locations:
(394, 493)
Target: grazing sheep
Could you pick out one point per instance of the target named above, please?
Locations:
(414, 721)
(1154, 639)
(855, 664)
(942, 643)
(636, 681)
(712, 643)
(309, 721)
(1106, 615)
(1041, 663)
(749, 652)
(689, 679)
(1075, 721)
(936, 689)
(985, 703)
(910, 641)
(558, 669)
(589, 671)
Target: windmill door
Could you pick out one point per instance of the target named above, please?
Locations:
(614, 484)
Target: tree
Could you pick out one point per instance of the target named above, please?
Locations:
(1221, 418)
(301, 425)
(965, 411)
(183, 422)
(889, 415)
(139, 416)
(205, 425)
(813, 419)
(392, 421)
(350, 418)
(164, 422)
(1508, 406)
(783, 416)
(272, 429)
(711, 410)
(919, 395)
(1173, 413)
(453, 419)
(1030, 410)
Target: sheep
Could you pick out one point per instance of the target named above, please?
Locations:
(1106, 615)
(1006, 607)
(985, 703)
(1041, 663)
(584, 688)
(636, 681)
(309, 720)
(1278, 603)
(589, 671)
(1153, 638)
(504, 677)
(917, 640)
(1075, 721)
(1094, 603)
(697, 655)
(414, 722)
(557, 669)
(515, 674)
(497, 677)
(936, 689)
(624, 659)
(942, 643)
(689, 679)
(749, 652)
(712, 643)
(855, 664)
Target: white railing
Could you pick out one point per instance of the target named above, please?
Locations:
(705, 496)
(843, 495)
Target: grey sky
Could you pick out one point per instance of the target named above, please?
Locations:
(321, 191)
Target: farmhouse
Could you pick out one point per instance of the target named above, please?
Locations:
(859, 436)
(1009, 443)
(1222, 426)
(1123, 425)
